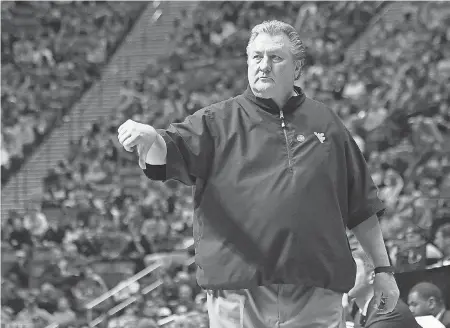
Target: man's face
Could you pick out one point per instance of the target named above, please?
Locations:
(21, 259)
(417, 305)
(362, 280)
(63, 304)
(271, 68)
(443, 242)
(185, 292)
(17, 223)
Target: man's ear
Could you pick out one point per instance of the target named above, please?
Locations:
(432, 302)
(298, 69)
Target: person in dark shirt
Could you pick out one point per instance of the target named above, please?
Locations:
(19, 271)
(362, 292)
(276, 177)
(137, 248)
(54, 234)
(19, 236)
(426, 299)
(10, 296)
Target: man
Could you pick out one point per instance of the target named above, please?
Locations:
(32, 315)
(55, 234)
(276, 179)
(442, 241)
(20, 237)
(20, 270)
(64, 315)
(363, 294)
(426, 299)
(35, 221)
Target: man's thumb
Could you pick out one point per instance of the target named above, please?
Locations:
(143, 151)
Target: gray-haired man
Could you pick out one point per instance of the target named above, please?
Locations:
(276, 179)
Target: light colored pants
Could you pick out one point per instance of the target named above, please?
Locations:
(275, 306)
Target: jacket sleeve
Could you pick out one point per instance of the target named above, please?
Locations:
(190, 150)
(363, 201)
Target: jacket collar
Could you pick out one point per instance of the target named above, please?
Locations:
(270, 106)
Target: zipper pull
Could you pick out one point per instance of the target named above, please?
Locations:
(283, 125)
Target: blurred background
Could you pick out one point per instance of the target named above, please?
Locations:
(88, 241)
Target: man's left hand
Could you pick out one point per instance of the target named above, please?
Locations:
(386, 292)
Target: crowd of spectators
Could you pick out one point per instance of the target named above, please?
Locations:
(51, 53)
(394, 101)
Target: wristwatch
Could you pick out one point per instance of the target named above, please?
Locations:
(386, 269)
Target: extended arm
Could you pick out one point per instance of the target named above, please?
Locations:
(183, 152)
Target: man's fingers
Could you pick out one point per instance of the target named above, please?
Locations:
(126, 139)
(123, 126)
(385, 304)
(390, 305)
(122, 137)
(377, 297)
(131, 141)
(122, 132)
(391, 302)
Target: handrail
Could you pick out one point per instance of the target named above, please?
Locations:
(52, 325)
(169, 319)
(125, 303)
(132, 299)
(122, 286)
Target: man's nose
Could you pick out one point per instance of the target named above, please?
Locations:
(264, 65)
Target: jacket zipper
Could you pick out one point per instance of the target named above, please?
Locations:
(283, 126)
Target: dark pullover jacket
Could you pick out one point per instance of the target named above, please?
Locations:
(274, 191)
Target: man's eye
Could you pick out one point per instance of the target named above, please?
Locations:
(277, 58)
(256, 57)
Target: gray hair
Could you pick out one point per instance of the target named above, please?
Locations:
(275, 27)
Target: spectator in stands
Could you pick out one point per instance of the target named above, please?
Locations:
(129, 317)
(64, 315)
(138, 248)
(20, 270)
(58, 274)
(89, 287)
(194, 152)
(363, 294)
(55, 234)
(33, 315)
(186, 297)
(426, 299)
(20, 237)
(47, 298)
(36, 222)
(11, 297)
(442, 241)
(86, 243)
(128, 291)
(147, 323)
(7, 315)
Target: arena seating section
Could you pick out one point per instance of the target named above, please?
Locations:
(51, 53)
(394, 101)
